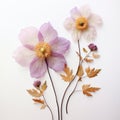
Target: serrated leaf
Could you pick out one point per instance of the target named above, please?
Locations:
(39, 101)
(88, 60)
(34, 93)
(87, 89)
(92, 72)
(80, 72)
(84, 50)
(43, 87)
(68, 74)
(95, 55)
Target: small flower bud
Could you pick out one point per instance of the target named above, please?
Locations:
(36, 83)
(92, 47)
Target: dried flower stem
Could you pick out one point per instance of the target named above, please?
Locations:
(53, 90)
(70, 96)
(85, 56)
(76, 84)
(69, 84)
(48, 107)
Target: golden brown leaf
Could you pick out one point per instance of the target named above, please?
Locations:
(92, 72)
(84, 50)
(88, 60)
(87, 89)
(44, 87)
(39, 101)
(68, 76)
(80, 72)
(34, 93)
(43, 106)
(95, 55)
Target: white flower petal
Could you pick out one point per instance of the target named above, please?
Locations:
(90, 34)
(76, 35)
(69, 24)
(75, 13)
(85, 11)
(29, 36)
(95, 20)
(23, 56)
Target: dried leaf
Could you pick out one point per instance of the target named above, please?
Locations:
(43, 106)
(43, 87)
(88, 60)
(92, 72)
(79, 55)
(80, 72)
(39, 101)
(84, 50)
(68, 74)
(95, 55)
(87, 89)
(34, 93)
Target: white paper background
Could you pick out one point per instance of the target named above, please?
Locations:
(15, 103)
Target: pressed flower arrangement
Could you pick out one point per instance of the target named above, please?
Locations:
(42, 49)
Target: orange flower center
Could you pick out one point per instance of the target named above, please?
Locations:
(43, 50)
(81, 23)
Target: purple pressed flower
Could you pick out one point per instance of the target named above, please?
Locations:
(92, 47)
(82, 22)
(37, 83)
(40, 45)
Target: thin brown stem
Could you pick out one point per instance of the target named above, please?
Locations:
(69, 85)
(70, 96)
(48, 107)
(85, 56)
(53, 90)
(76, 83)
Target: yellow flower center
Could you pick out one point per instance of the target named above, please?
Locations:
(43, 50)
(81, 23)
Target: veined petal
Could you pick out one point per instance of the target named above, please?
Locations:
(85, 11)
(75, 13)
(24, 56)
(69, 24)
(95, 20)
(90, 34)
(48, 32)
(60, 45)
(29, 36)
(40, 36)
(37, 68)
(56, 62)
(76, 35)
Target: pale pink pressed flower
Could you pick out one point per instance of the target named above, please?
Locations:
(40, 46)
(83, 22)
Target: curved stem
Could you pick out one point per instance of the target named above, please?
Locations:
(70, 96)
(53, 90)
(86, 56)
(76, 83)
(69, 85)
(48, 107)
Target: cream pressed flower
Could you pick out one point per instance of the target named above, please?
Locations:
(83, 22)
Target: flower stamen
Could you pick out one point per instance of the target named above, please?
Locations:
(81, 23)
(43, 50)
